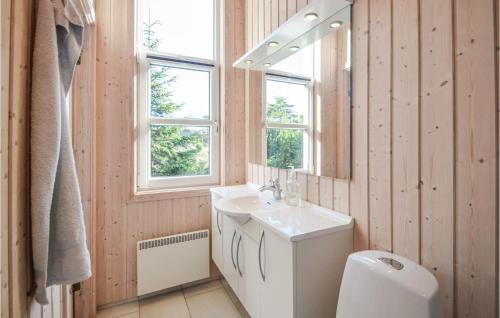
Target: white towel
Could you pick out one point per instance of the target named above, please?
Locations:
(60, 253)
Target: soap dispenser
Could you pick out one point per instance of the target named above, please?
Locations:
(292, 196)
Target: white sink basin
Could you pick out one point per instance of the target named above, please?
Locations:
(295, 223)
(241, 208)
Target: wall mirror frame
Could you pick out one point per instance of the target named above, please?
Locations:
(300, 115)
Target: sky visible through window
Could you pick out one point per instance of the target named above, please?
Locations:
(191, 89)
(187, 32)
(186, 27)
(296, 95)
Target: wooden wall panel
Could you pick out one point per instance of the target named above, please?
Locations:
(5, 10)
(20, 75)
(342, 115)
(233, 92)
(291, 7)
(476, 159)
(425, 140)
(437, 145)
(379, 129)
(283, 11)
(267, 18)
(405, 130)
(255, 117)
(360, 209)
(327, 91)
(84, 141)
(249, 24)
(274, 14)
(301, 4)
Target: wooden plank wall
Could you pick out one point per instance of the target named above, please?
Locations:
(84, 141)
(332, 103)
(21, 24)
(424, 140)
(4, 155)
(122, 218)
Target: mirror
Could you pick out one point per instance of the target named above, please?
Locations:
(299, 107)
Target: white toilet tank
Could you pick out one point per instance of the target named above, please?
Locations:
(378, 284)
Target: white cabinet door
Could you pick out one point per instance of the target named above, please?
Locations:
(217, 235)
(230, 238)
(217, 248)
(248, 264)
(276, 290)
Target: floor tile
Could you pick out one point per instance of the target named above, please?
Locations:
(203, 288)
(119, 310)
(213, 304)
(229, 291)
(171, 305)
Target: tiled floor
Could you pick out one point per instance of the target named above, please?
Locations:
(210, 300)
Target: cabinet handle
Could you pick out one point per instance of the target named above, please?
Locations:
(218, 226)
(262, 274)
(238, 256)
(232, 247)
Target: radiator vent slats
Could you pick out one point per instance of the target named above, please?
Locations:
(174, 239)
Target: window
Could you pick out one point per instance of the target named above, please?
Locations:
(288, 122)
(288, 113)
(178, 110)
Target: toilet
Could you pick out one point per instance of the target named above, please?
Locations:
(378, 284)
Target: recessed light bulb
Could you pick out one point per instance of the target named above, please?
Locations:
(294, 48)
(311, 16)
(272, 44)
(267, 64)
(248, 62)
(335, 24)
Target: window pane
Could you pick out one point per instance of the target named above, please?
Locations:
(287, 102)
(285, 148)
(183, 27)
(180, 151)
(179, 92)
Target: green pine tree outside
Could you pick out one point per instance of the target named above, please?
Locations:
(284, 146)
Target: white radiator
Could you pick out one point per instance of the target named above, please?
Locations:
(171, 261)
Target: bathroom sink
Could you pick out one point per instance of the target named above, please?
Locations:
(241, 208)
(295, 223)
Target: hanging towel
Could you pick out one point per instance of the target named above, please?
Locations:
(60, 253)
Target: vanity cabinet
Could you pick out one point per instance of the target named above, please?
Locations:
(283, 271)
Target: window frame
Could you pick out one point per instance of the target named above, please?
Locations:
(144, 180)
(307, 127)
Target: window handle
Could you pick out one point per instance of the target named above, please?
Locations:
(216, 124)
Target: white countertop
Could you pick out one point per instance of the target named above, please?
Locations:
(289, 222)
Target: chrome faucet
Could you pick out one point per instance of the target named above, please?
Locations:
(275, 187)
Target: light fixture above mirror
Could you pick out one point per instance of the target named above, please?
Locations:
(310, 24)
